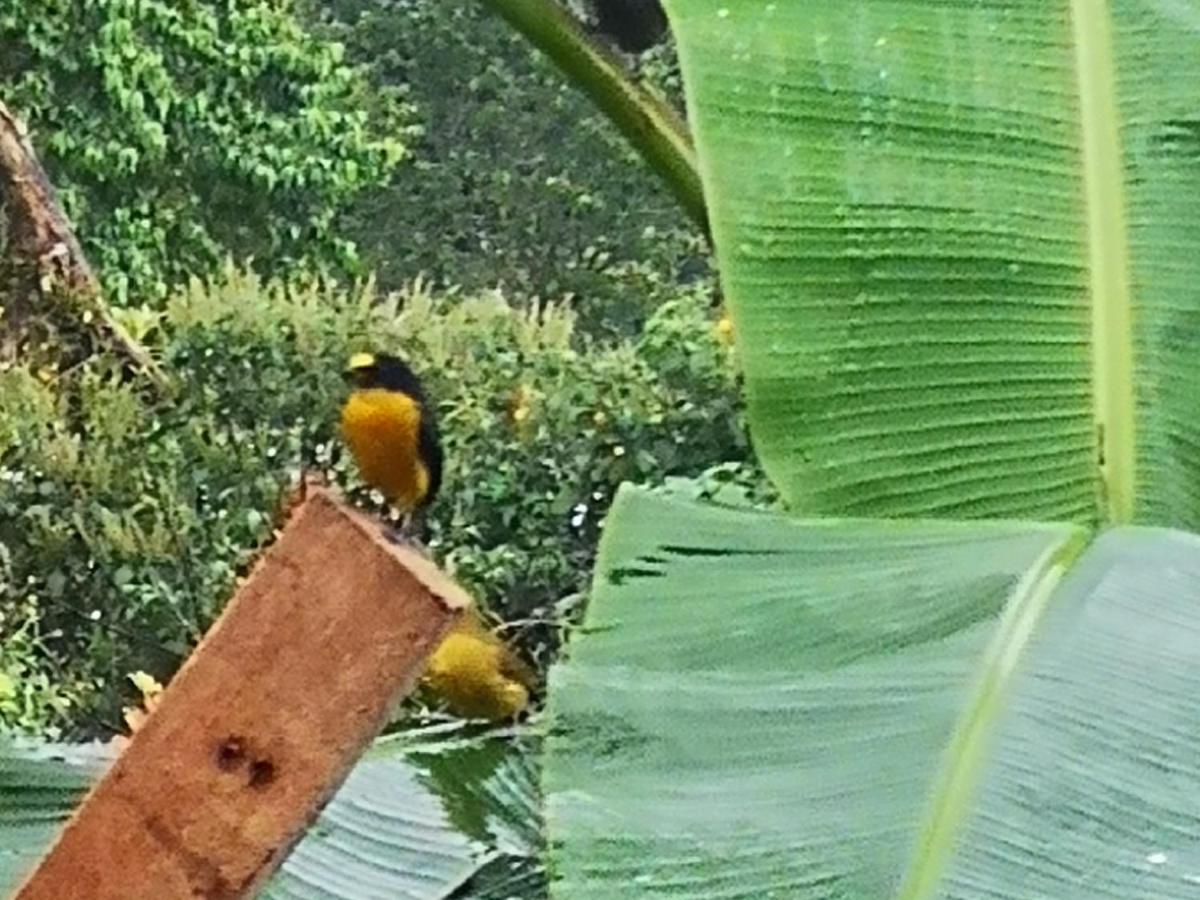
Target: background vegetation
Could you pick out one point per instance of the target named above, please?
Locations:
(123, 524)
(177, 133)
(557, 299)
(516, 181)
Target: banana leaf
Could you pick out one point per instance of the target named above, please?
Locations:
(763, 706)
(960, 245)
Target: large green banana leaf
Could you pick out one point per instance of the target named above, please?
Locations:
(425, 821)
(768, 707)
(960, 242)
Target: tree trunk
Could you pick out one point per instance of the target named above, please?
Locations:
(45, 273)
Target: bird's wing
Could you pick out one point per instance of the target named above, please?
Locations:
(429, 446)
(512, 666)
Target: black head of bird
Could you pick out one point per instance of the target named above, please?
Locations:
(384, 371)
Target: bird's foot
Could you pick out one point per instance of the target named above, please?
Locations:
(403, 536)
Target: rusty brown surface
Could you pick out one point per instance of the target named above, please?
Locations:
(265, 719)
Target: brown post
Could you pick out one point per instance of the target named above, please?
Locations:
(263, 722)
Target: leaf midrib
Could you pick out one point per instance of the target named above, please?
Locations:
(1113, 411)
(1108, 251)
(967, 750)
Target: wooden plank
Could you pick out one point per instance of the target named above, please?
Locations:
(263, 722)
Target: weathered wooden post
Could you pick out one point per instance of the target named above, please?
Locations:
(263, 722)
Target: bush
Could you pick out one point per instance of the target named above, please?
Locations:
(123, 526)
(517, 180)
(177, 133)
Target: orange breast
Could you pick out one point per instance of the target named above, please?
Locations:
(381, 428)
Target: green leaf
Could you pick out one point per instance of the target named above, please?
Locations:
(760, 706)
(1091, 790)
(37, 794)
(394, 829)
(959, 246)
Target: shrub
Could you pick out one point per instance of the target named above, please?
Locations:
(517, 180)
(179, 132)
(123, 526)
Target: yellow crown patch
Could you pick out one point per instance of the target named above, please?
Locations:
(362, 361)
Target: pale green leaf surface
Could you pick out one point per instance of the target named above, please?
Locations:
(491, 793)
(385, 835)
(758, 705)
(37, 794)
(1093, 790)
(397, 828)
(916, 249)
(488, 788)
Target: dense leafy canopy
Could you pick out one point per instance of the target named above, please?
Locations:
(124, 522)
(178, 133)
(516, 180)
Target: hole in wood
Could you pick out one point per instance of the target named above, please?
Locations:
(262, 773)
(230, 754)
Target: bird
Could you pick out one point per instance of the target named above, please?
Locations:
(390, 427)
(477, 675)
(636, 25)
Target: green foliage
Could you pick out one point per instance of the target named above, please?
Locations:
(543, 434)
(1005, 329)
(952, 300)
(124, 526)
(923, 681)
(643, 117)
(517, 180)
(178, 133)
(32, 694)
